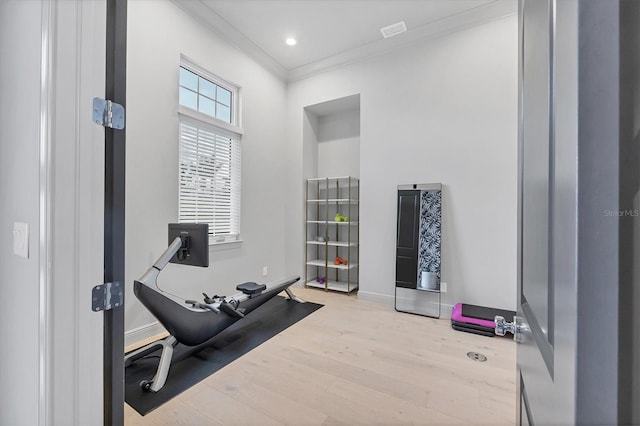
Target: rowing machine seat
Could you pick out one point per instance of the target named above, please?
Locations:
(251, 288)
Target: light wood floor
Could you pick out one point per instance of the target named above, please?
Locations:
(354, 362)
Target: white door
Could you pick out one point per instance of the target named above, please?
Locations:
(537, 351)
(73, 210)
(568, 300)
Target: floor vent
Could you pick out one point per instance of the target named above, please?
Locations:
(476, 356)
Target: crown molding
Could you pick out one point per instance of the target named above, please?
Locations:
(214, 22)
(497, 9)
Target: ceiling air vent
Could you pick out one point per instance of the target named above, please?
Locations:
(394, 29)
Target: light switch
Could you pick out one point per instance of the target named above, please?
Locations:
(21, 239)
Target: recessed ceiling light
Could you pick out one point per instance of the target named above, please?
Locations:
(394, 29)
(291, 41)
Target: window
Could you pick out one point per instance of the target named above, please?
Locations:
(201, 94)
(209, 154)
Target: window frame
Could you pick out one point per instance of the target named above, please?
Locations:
(208, 123)
(236, 120)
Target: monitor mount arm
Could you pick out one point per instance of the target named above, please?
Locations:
(150, 277)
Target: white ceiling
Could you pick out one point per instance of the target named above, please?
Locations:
(333, 32)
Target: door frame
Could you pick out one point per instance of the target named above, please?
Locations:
(71, 240)
(114, 212)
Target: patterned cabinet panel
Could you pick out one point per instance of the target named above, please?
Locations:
(430, 232)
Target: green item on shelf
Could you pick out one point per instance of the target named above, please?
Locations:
(340, 218)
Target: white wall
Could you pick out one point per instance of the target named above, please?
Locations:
(339, 144)
(19, 192)
(158, 33)
(449, 115)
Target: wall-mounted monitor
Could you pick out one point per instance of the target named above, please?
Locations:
(195, 243)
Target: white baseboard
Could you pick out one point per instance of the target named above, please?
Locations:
(446, 311)
(384, 299)
(141, 333)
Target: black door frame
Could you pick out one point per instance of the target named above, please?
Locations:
(114, 213)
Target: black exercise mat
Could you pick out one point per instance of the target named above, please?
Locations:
(190, 365)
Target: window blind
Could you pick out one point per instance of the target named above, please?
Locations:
(209, 179)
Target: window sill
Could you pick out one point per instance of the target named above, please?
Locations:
(225, 245)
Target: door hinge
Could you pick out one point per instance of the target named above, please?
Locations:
(105, 297)
(108, 114)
